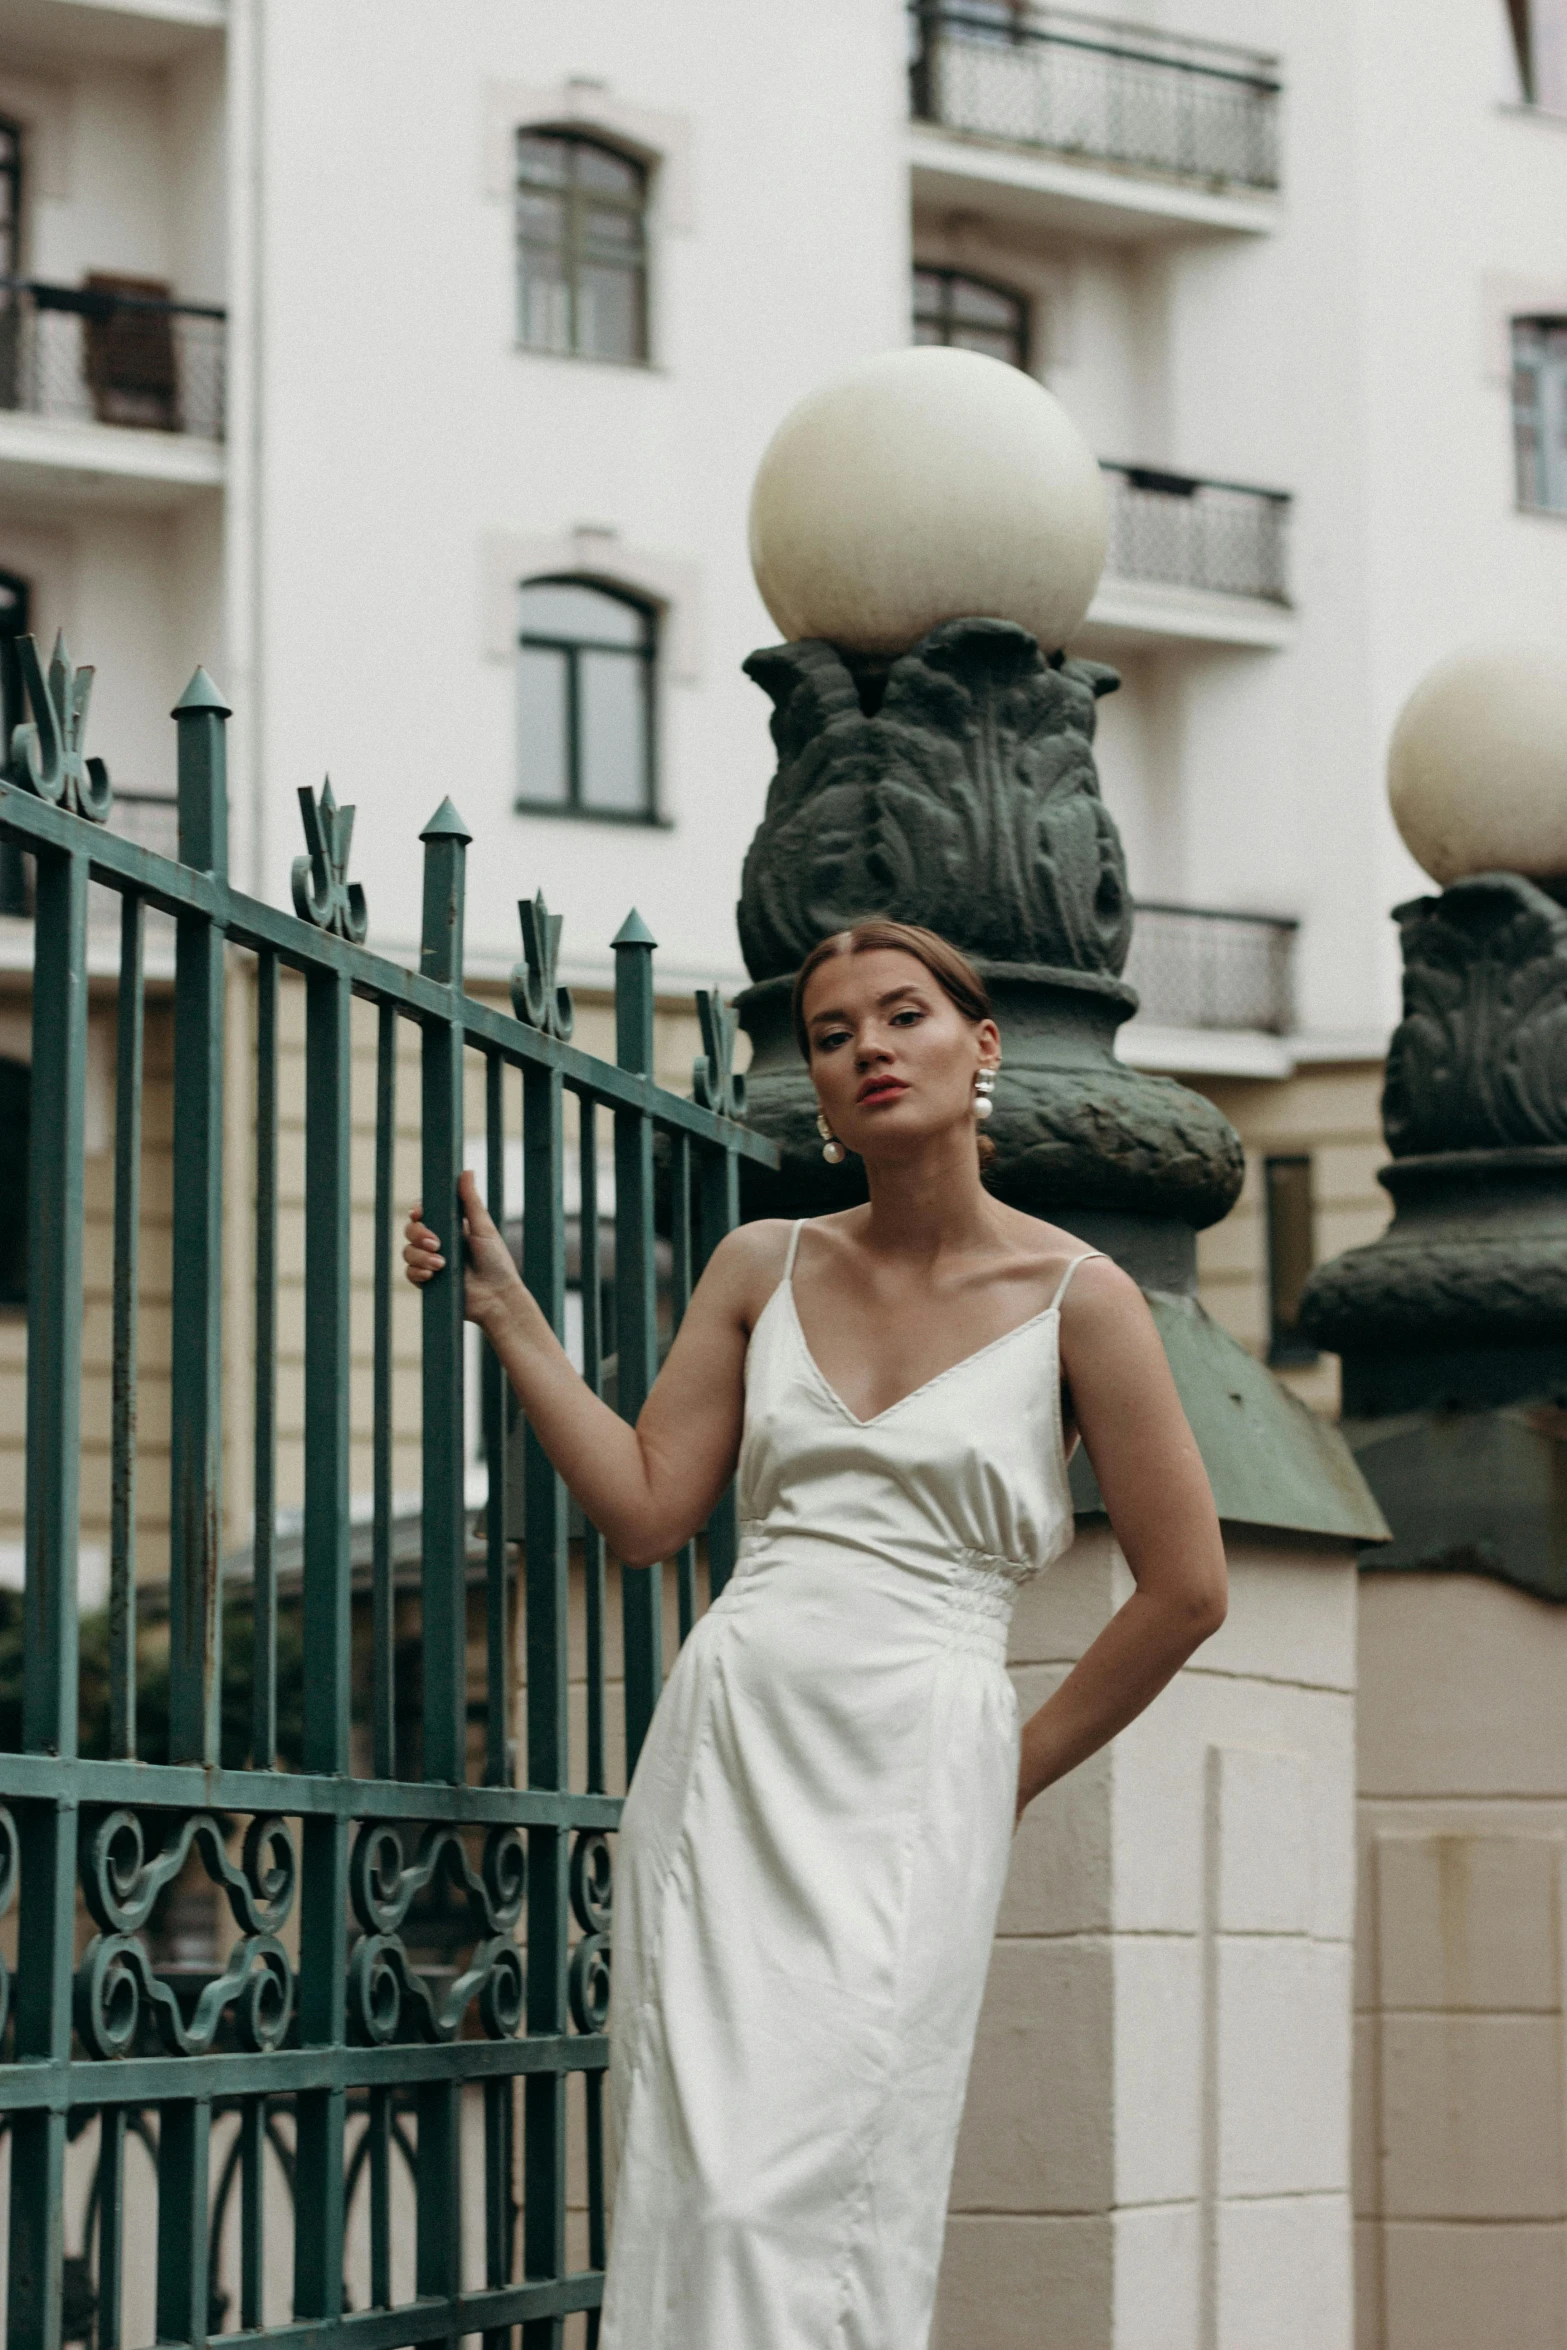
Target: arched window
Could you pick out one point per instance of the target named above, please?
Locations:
(581, 247)
(585, 679)
(952, 307)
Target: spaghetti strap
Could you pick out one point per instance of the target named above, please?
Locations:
(1066, 1278)
(794, 1242)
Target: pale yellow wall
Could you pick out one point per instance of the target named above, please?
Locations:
(1331, 1111)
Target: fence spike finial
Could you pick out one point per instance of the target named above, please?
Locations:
(536, 994)
(323, 893)
(46, 755)
(201, 694)
(446, 824)
(715, 1082)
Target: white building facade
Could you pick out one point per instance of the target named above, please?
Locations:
(409, 366)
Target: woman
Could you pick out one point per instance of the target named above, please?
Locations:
(815, 1840)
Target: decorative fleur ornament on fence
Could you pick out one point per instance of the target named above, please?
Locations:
(46, 753)
(536, 995)
(323, 894)
(592, 1898)
(715, 1083)
(387, 1999)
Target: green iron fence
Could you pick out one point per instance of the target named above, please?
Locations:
(319, 2052)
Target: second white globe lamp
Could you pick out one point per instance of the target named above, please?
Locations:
(1477, 765)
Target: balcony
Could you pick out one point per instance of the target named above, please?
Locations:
(110, 388)
(1217, 990)
(1120, 130)
(1194, 560)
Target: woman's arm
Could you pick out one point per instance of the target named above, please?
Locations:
(647, 1488)
(1162, 1515)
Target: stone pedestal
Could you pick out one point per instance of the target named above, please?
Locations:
(1155, 2153)
(1453, 1332)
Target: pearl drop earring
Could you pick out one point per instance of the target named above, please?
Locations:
(984, 1092)
(832, 1149)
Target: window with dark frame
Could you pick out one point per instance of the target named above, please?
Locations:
(970, 314)
(1292, 1252)
(16, 1088)
(1540, 412)
(586, 677)
(10, 258)
(581, 247)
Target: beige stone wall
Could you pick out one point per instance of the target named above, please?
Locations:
(1155, 2151)
(1461, 2011)
(1331, 1111)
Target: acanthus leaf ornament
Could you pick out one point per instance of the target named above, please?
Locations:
(46, 754)
(537, 997)
(323, 893)
(715, 1082)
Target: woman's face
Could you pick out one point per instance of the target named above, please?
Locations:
(893, 1060)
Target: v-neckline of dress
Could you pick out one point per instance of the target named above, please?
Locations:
(925, 1385)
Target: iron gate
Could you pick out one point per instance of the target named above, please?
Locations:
(322, 2021)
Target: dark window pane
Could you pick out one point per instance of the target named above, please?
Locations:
(543, 745)
(543, 159)
(1540, 412)
(572, 609)
(541, 219)
(1292, 1252)
(928, 330)
(979, 305)
(597, 168)
(951, 307)
(546, 302)
(609, 312)
(613, 711)
(618, 230)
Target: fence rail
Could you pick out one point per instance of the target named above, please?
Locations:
(1071, 84)
(1199, 967)
(1186, 532)
(104, 353)
(446, 1975)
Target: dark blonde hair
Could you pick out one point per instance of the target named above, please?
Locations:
(952, 971)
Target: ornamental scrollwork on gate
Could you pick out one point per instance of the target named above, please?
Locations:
(592, 1898)
(323, 893)
(537, 997)
(117, 1987)
(715, 1082)
(46, 755)
(387, 1998)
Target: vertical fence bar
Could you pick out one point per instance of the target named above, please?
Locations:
(184, 2135)
(445, 1596)
(591, 1289)
(444, 1629)
(111, 2224)
(195, 1597)
(252, 2209)
(383, 1698)
(129, 1039)
(47, 1830)
(263, 1580)
(323, 1953)
(545, 1533)
(636, 1306)
(497, 1716)
(717, 1212)
(680, 1288)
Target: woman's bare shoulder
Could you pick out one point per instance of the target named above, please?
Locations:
(748, 1263)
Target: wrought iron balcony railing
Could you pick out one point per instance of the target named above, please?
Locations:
(1184, 532)
(1201, 967)
(111, 351)
(1083, 86)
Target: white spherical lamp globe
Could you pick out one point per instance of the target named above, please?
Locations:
(1477, 767)
(927, 485)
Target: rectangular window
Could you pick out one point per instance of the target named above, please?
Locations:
(581, 247)
(1540, 412)
(586, 670)
(1292, 1252)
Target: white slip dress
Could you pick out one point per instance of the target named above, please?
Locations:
(812, 1856)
